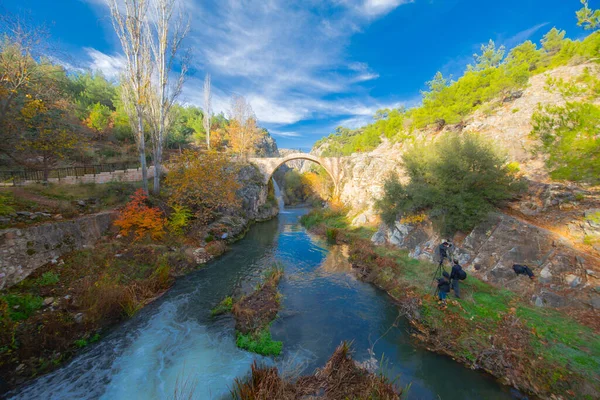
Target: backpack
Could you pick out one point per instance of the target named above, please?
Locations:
(462, 275)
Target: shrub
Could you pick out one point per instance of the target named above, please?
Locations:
(47, 278)
(569, 135)
(457, 180)
(140, 218)
(26, 305)
(179, 219)
(260, 343)
(223, 307)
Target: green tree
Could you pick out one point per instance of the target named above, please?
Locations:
(588, 18)
(457, 180)
(490, 57)
(89, 89)
(99, 118)
(569, 135)
(527, 54)
(553, 41)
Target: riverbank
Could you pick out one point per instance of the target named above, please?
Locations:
(536, 350)
(77, 297)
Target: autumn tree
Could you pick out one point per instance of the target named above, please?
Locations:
(129, 19)
(243, 132)
(165, 39)
(36, 127)
(203, 182)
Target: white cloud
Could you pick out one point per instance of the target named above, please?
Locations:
(110, 66)
(522, 36)
(381, 7)
(290, 62)
(285, 134)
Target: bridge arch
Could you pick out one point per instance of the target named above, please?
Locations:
(268, 166)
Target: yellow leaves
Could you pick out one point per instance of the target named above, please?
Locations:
(32, 108)
(413, 219)
(204, 182)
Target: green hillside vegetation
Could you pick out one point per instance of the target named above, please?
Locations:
(457, 181)
(495, 75)
(53, 117)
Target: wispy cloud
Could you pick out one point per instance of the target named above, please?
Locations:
(522, 36)
(290, 62)
(286, 134)
(110, 66)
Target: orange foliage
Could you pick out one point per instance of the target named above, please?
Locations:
(140, 218)
(206, 183)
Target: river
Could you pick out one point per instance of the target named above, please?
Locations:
(175, 340)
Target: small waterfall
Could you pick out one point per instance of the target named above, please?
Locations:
(278, 196)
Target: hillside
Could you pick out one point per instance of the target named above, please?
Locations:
(551, 227)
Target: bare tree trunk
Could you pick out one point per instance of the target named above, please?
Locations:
(129, 19)
(165, 45)
(207, 110)
(142, 149)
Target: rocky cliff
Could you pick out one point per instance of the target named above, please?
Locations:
(507, 122)
(548, 228)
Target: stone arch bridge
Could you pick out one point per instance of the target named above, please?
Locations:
(333, 165)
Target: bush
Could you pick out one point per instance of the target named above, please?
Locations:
(48, 278)
(140, 218)
(569, 136)
(457, 180)
(179, 219)
(25, 304)
(259, 343)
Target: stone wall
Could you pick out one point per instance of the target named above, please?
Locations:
(24, 250)
(129, 175)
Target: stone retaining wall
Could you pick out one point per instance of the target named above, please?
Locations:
(129, 175)
(22, 251)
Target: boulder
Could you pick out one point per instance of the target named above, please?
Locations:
(573, 280)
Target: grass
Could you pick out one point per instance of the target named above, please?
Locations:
(22, 306)
(223, 307)
(47, 279)
(259, 342)
(62, 199)
(332, 218)
(559, 353)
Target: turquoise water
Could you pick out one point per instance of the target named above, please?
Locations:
(175, 340)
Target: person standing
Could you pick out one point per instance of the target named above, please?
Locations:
(443, 249)
(456, 275)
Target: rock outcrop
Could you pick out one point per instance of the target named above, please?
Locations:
(565, 275)
(24, 250)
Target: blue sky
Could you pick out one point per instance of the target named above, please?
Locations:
(309, 66)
